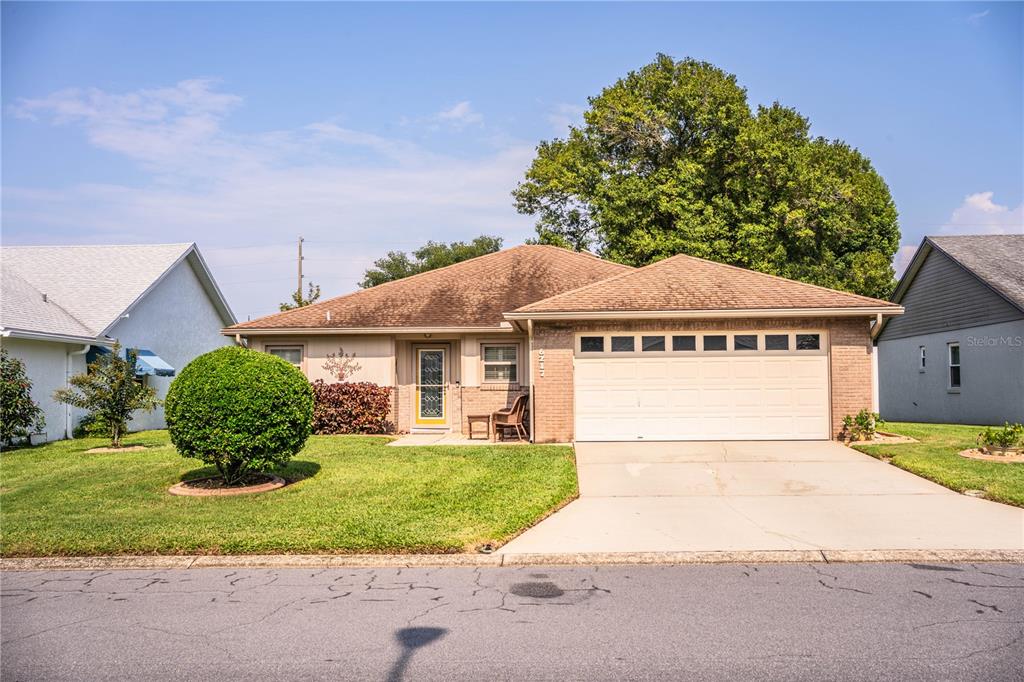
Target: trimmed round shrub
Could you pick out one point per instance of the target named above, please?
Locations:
(241, 410)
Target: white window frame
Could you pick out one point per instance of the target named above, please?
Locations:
(922, 357)
(301, 366)
(949, 367)
(484, 363)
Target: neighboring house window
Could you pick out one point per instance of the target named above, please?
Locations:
(922, 358)
(501, 363)
(591, 344)
(954, 365)
(291, 354)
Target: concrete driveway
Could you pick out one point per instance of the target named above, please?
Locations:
(737, 496)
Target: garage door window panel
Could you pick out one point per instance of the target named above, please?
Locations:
(652, 344)
(715, 342)
(591, 344)
(776, 342)
(684, 343)
(808, 341)
(623, 344)
(744, 342)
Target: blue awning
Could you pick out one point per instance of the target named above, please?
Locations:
(147, 363)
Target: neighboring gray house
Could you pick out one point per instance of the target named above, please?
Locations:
(60, 305)
(957, 354)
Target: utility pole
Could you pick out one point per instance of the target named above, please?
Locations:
(298, 300)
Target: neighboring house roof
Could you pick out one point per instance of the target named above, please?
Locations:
(26, 309)
(684, 284)
(472, 294)
(995, 259)
(93, 286)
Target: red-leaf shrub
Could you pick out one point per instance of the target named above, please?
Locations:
(350, 408)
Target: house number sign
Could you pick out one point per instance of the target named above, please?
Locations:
(540, 361)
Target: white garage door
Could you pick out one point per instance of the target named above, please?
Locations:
(757, 385)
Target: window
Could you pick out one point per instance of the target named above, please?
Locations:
(623, 344)
(921, 358)
(776, 341)
(652, 343)
(808, 341)
(954, 365)
(290, 354)
(684, 343)
(501, 363)
(591, 344)
(714, 343)
(744, 342)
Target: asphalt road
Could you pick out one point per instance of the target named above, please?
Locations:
(794, 621)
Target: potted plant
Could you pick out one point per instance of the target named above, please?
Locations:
(1005, 440)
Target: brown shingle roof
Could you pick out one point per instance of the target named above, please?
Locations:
(685, 283)
(473, 293)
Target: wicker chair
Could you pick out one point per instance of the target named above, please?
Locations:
(511, 418)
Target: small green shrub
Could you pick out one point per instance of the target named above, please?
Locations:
(19, 414)
(1007, 436)
(861, 426)
(110, 392)
(241, 410)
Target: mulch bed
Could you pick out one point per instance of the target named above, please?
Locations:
(975, 453)
(126, 448)
(214, 486)
(882, 438)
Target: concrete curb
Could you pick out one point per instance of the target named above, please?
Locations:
(497, 560)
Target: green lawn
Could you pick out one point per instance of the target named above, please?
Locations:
(351, 494)
(936, 459)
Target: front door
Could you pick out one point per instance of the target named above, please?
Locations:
(431, 381)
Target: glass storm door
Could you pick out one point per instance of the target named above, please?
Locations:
(430, 386)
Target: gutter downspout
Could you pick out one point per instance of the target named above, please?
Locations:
(67, 384)
(533, 412)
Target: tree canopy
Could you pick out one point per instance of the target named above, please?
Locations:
(300, 301)
(671, 159)
(432, 255)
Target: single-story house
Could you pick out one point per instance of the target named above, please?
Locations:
(683, 349)
(957, 355)
(61, 305)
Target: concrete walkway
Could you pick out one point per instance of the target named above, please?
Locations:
(754, 496)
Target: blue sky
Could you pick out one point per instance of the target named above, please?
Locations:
(367, 128)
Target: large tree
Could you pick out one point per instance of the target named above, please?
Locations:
(432, 255)
(671, 159)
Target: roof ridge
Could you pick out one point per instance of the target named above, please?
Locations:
(80, 246)
(778, 277)
(334, 299)
(606, 280)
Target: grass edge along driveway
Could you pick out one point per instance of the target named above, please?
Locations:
(936, 458)
(350, 494)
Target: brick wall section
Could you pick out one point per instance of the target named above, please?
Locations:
(552, 383)
(850, 364)
(849, 361)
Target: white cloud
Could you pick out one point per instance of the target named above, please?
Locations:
(564, 115)
(975, 19)
(459, 115)
(245, 198)
(977, 214)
